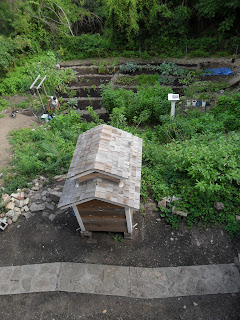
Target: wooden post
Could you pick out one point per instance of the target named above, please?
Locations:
(49, 106)
(79, 219)
(129, 220)
(41, 100)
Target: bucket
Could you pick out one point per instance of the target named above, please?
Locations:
(44, 117)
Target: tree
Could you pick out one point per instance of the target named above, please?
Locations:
(122, 18)
(225, 13)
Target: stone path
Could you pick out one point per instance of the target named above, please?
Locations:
(134, 282)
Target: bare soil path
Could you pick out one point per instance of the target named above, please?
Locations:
(6, 125)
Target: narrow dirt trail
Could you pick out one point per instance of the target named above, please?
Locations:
(6, 125)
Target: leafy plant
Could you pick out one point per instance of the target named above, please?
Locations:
(72, 102)
(7, 51)
(94, 115)
(153, 99)
(4, 104)
(19, 80)
(170, 68)
(125, 80)
(128, 67)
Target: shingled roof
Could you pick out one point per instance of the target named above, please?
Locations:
(113, 153)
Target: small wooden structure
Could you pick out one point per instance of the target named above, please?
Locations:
(104, 179)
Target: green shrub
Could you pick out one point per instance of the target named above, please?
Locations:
(153, 99)
(205, 44)
(47, 150)
(84, 46)
(4, 104)
(202, 170)
(144, 79)
(199, 53)
(170, 68)
(7, 57)
(119, 98)
(227, 110)
(20, 79)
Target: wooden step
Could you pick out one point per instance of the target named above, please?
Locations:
(84, 102)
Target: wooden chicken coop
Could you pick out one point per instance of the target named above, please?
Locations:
(104, 179)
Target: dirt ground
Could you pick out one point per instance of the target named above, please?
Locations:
(154, 244)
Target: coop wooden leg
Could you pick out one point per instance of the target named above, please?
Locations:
(129, 220)
(79, 219)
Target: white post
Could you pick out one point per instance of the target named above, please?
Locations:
(79, 219)
(173, 109)
(129, 219)
(173, 98)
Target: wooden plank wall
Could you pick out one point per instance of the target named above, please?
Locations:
(102, 216)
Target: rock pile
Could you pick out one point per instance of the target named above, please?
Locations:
(165, 202)
(27, 202)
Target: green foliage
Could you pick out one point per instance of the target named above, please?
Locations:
(4, 104)
(144, 79)
(84, 46)
(125, 80)
(132, 105)
(199, 53)
(94, 115)
(170, 68)
(201, 170)
(227, 110)
(116, 98)
(204, 44)
(118, 117)
(47, 150)
(128, 67)
(7, 48)
(217, 8)
(20, 79)
(72, 103)
(122, 18)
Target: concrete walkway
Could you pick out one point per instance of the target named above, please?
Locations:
(134, 282)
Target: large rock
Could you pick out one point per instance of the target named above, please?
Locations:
(10, 206)
(26, 202)
(17, 211)
(179, 212)
(37, 197)
(234, 80)
(15, 195)
(55, 196)
(15, 217)
(219, 206)
(162, 203)
(37, 207)
(50, 206)
(6, 198)
(10, 214)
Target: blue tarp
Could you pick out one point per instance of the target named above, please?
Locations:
(218, 72)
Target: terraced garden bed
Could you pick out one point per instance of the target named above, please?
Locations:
(86, 88)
